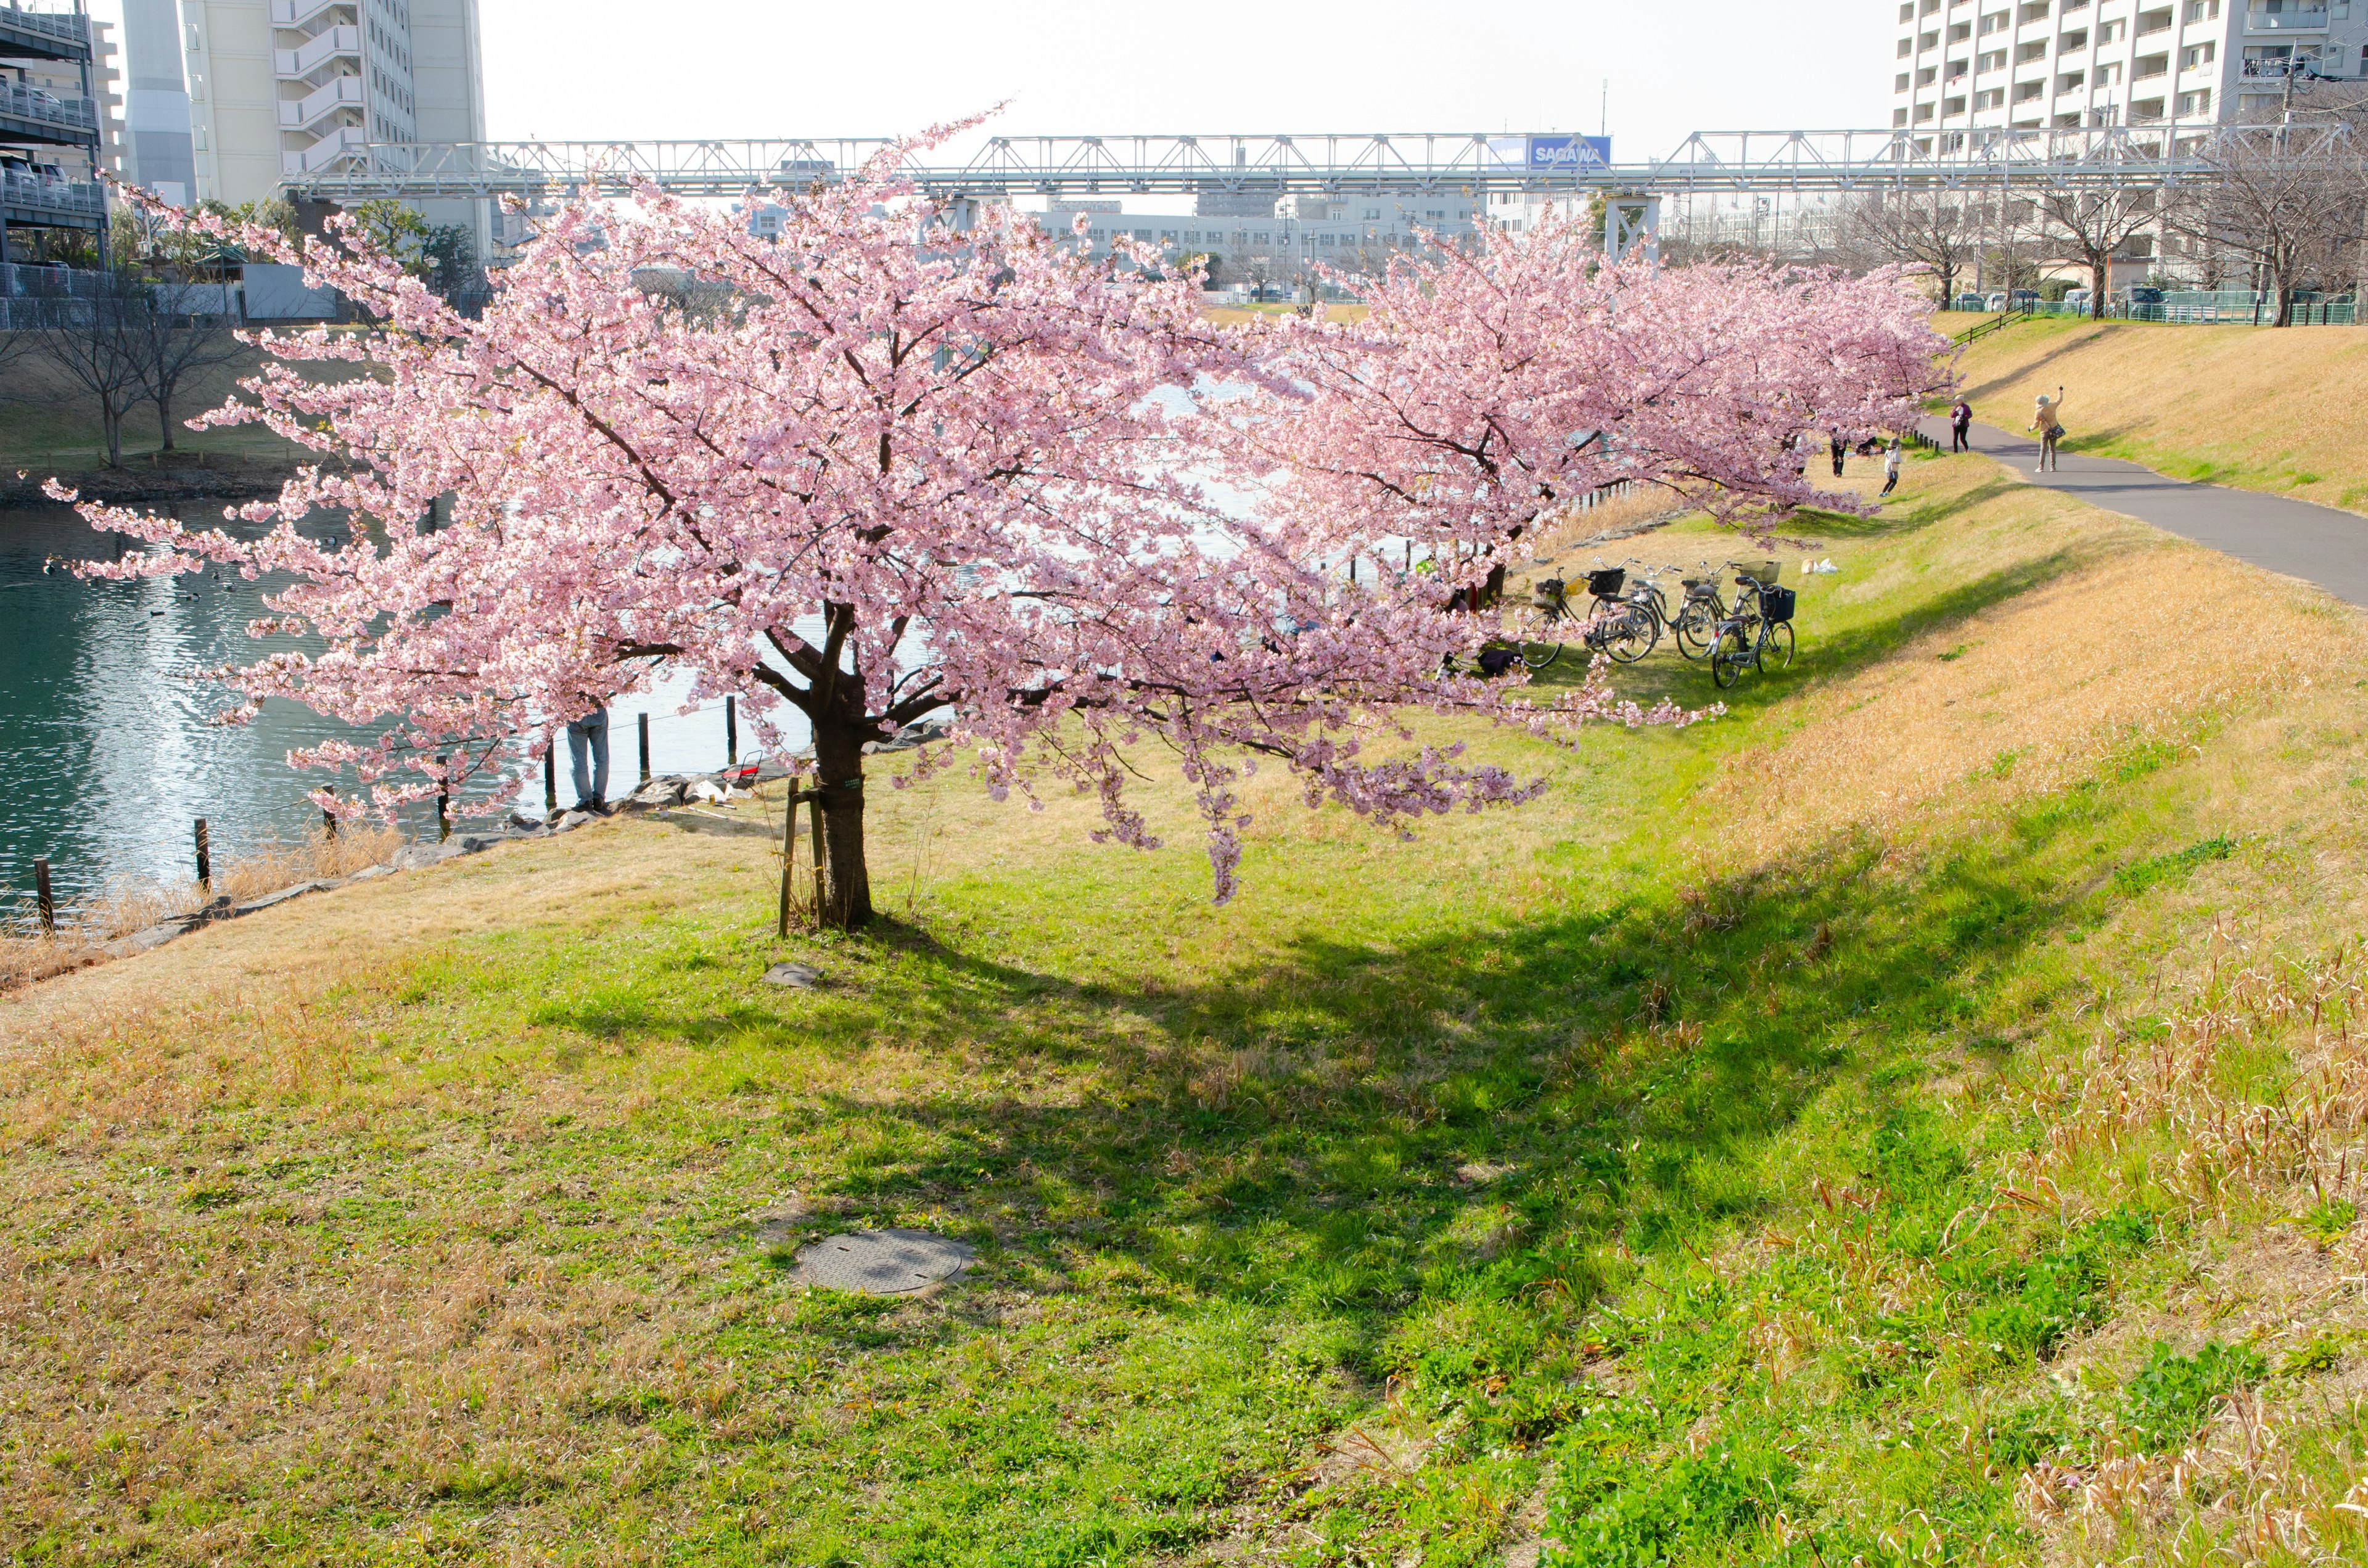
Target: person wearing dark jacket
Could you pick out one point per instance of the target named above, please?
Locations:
(1840, 450)
(1961, 420)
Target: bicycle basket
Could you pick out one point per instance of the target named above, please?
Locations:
(1776, 604)
(1606, 583)
(1760, 571)
(1546, 594)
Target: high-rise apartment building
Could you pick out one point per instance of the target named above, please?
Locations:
(2043, 64)
(278, 89)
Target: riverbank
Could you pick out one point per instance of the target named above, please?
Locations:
(147, 481)
(1888, 1120)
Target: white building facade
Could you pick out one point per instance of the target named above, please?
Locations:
(278, 89)
(2047, 64)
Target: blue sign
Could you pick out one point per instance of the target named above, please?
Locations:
(1550, 152)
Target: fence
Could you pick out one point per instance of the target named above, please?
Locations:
(2192, 306)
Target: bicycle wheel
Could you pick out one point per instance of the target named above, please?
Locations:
(1695, 629)
(1538, 656)
(1775, 650)
(1729, 651)
(1632, 636)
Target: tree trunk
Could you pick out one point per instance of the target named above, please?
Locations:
(165, 413)
(838, 773)
(2097, 267)
(110, 420)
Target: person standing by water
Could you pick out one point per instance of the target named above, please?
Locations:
(1961, 420)
(1840, 450)
(2048, 420)
(589, 734)
(1891, 466)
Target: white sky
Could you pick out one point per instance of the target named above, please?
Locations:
(570, 68)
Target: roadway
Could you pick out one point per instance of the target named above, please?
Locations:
(2299, 539)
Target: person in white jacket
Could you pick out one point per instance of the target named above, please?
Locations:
(1891, 467)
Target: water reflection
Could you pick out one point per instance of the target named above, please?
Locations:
(109, 744)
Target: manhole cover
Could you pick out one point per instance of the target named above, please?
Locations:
(883, 1262)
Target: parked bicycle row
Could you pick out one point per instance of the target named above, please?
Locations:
(1625, 617)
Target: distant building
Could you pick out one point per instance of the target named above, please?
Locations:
(2047, 64)
(156, 146)
(278, 89)
(64, 82)
(1269, 241)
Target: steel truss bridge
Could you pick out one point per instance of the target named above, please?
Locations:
(1253, 166)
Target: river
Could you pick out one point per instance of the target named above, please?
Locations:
(111, 746)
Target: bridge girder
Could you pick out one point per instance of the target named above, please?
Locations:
(1008, 166)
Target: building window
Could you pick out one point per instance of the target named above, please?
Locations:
(1953, 107)
(2024, 92)
(1927, 40)
(2196, 102)
(1899, 82)
(1923, 113)
(1898, 118)
(1994, 61)
(1995, 22)
(2071, 81)
(2071, 41)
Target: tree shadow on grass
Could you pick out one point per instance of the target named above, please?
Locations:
(2072, 344)
(1373, 1132)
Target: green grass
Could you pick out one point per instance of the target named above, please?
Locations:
(1577, 1170)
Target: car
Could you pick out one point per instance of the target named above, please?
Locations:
(2021, 299)
(2077, 298)
(1994, 303)
(2139, 294)
(1968, 302)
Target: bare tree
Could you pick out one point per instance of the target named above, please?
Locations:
(2285, 198)
(1936, 230)
(93, 342)
(2091, 224)
(171, 337)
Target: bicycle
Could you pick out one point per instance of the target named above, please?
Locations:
(1696, 626)
(1759, 637)
(1622, 624)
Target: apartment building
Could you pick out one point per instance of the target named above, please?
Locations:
(2036, 65)
(278, 89)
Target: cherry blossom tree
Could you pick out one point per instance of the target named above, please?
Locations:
(1485, 392)
(906, 468)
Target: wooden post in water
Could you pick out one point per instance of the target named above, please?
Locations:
(41, 896)
(646, 744)
(443, 800)
(205, 858)
(731, 731)
(550, 774)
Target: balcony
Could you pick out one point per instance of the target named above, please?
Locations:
(317, 51)
(28, 114)
(296, 13)
(43, 35)
(338, 92)
(343, 141)
(2260, 21)
(29, 199)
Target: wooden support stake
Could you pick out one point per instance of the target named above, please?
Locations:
(205, 860)
(789, 852)
(645, 746)
(443, 801)
(821, 848)
(731, 731)
(550, 774)
(42, 895)
(329, 824)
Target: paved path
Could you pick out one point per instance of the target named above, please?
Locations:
(2300, 538)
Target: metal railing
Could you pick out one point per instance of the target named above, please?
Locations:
(84, 199)
(20, 102)
(2222, 307)
(66, 27)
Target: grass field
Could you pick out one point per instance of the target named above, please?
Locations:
(1916, 1117)
(49, 424)
(2260, 408)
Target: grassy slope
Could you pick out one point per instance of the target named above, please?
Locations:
(2253, 407)
(1785, 1143)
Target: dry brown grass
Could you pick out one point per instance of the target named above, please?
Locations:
(134, 905)
(2090, 635)
(2282, 411)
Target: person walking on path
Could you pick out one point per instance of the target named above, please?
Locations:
(1891, 467)
(1961, 421)
(2048, 420)
(589, 734)
(1840, 450)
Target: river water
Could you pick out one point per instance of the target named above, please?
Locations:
(109, 744)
